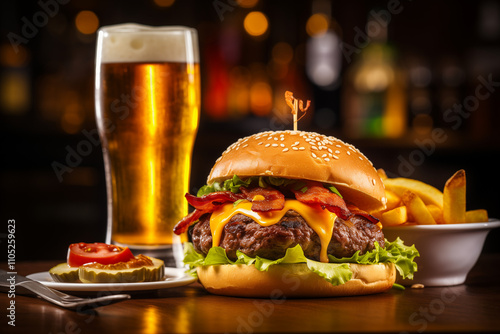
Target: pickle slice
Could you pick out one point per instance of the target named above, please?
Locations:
(139, 274)
(64, 273)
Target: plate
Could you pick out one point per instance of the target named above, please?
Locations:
(174, 277)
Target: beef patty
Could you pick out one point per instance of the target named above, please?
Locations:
(271, 242)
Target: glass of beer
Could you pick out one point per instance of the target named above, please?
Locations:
(147, 96)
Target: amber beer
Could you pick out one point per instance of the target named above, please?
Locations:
(147, 107)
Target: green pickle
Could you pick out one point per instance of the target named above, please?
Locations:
(86, 274)
(141, 274)
(64, 273)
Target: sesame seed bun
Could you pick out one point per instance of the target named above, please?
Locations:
(307, 156)
(293, 280)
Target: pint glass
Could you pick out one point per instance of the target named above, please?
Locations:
(147, 95)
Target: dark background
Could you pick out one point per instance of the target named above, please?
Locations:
(47, 104)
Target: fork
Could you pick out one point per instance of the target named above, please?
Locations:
(57, 297)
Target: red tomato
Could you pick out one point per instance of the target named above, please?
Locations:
(82, 253)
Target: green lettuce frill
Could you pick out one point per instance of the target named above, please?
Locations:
(336, 272)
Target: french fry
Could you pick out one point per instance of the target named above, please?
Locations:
(417, 209)
(454, 198)
(381, 173)
(411, 202)
(393, 200)
(427, 193)
(396, 216)
(476, 216)
(436, 213)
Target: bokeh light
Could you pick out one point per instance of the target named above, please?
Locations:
(87, 22)
(317, 24)
(247, 3)
(261, 98)
(282, 53)
(164, 3)
(9, 57)
(256, 23)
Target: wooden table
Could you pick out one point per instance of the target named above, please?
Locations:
(472, 307)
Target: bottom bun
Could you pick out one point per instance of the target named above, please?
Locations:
(293, 280)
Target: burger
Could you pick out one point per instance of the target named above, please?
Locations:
(286, 212)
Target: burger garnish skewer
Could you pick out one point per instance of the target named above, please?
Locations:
(292, 202)
(295, 105)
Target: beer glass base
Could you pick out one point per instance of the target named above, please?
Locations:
(172, 255)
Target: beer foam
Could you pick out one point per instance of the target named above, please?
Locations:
(131, 43)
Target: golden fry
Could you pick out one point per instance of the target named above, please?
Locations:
(393, 200)
(436, 213)
(427, 193)
(395, 216)
(382, 174)
(417, 209)
(454, 198)
(476, 216)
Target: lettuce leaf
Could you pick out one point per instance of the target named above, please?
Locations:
(236, 182)
(336, 272)
(396, 252)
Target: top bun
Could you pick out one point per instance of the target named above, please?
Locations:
(307, 156)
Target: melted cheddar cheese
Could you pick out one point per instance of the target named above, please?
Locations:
(321, 221)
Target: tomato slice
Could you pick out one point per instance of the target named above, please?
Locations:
(82, 253)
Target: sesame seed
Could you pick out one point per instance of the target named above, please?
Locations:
(296, 143)
(337, 152)
(308, 139)
(282, 145)
(274, 145)
(275, 138)
(330, 150)
(327, 159)
(302, 148)
(285, 149)
(245, 145)
(314, 155)
(314, 148)
(295, 149)
(259, 143)
(348, 153)
(267, 145)
(338, 145)
(335, 157)
(324, 155)
(360, 158)
(373, 181)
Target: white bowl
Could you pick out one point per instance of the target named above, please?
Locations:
(447, 251)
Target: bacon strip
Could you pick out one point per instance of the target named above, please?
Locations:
(183, 225)
(204, 204)
(210, 201)
(273, 199)
(317, 194)
(357, 212)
